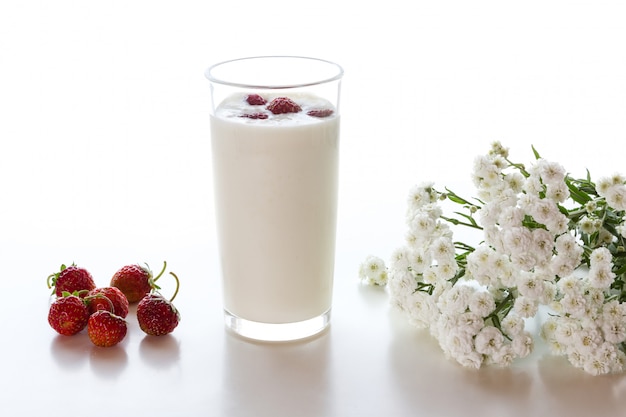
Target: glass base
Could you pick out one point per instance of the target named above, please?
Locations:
(273, 332)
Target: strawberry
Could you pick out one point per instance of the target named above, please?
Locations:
(283, 105)
(70, 279)
(68, 314)
(255, 115)
(255, 100)
(320, 112)
(156, 315)
(135, 281)
(107, 298)
(106, 329)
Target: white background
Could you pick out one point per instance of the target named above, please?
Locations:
(105, 157)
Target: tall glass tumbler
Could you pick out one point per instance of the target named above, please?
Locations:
(275, 152)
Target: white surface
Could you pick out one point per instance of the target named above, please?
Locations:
(104, 160)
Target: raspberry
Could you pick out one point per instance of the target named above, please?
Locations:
(320, 112)
(254, 115)
(255, 100)
(283, 105)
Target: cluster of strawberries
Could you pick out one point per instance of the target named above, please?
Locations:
(79, 303)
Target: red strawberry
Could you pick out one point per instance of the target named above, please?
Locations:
(71, 279)
(135, 281)
(255, 100)
(107, 298)
(68, 314)
(283, 105)
(106, 329)
(255, 115)
(156, 315)
(320, 112)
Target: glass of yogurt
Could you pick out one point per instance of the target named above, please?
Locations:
(275, 155)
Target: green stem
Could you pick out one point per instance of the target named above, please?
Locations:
(177, 286)
(160, 273)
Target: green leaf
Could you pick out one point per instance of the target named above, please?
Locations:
(575, 193)
(537, 156)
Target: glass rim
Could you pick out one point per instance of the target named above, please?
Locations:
(211, 77)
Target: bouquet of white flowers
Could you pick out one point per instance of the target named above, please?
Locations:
(547, 242)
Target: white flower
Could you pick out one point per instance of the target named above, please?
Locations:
(419, 260)
(399, 260)
(421, 224)
(574, 305)
(455, 300)
(589, 225)
(522, 345)
(614, 331)
(550, 327)
(471, 359)
(486, 172)
(557, 192)
(550, 172)
(517, 240)
(515, 182)
(601, 361)
(549, 293)
(443, 250)
(470, 322)
(444, 271)
(571, 285)
(613, 311)
(525, 307)
(601, 277)
(616, 196)
(421, 309)
(512, 325)
(373, 271)
(400, 284)
(543, 245)
(456, 344)
(489, 340)
(430, 275)
(421, 195)
(511, 216)
(587, 340)
(601, 257)
(482, 303)
(504, 356)
(530, 286)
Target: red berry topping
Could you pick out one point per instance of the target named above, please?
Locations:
(71, 279)
(283, 105)
(255, 115)
(68, 315)
(320, 112)
(105, 329)
(107, 298)
(255, 100)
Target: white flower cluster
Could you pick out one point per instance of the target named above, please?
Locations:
(474, 300)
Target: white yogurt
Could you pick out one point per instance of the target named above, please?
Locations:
(276, 201)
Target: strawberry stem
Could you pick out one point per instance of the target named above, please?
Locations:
(99, 295)
(160, 273)
(177, 286)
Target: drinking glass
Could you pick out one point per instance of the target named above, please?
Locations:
(275, 154)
